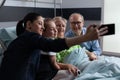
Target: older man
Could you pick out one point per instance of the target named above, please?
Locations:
(76, 28)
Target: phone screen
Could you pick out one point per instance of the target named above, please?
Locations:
(111, 29)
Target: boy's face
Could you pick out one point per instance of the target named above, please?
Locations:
(50, 30)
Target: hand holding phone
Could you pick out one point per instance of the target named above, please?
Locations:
(111, 29)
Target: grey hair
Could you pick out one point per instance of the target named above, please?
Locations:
(60, 18)
(76, 14)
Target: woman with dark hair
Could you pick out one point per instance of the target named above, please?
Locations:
(22, 58)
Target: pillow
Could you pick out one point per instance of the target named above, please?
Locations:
(62, 54)
(76, 56)
(8, 34)
(2, 49)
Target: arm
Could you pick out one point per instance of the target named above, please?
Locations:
(61, 44)
(96, 49)
(91, 55)
(91, 34)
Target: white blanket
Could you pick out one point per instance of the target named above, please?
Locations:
(105, 68)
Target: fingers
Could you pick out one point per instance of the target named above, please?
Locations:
(92, 32)
(103, 31)
(100, 31)
(95, 31)
(73, 70)
(92, 26)
(103, 28)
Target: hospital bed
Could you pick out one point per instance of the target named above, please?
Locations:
(105, 68)
(6, 36)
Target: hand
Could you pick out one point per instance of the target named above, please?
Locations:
(92, 56)
(72, 69)
(93, 32)
(103, 30)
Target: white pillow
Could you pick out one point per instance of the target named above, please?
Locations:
(7, 34)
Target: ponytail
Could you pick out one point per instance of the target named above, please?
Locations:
(20, 28)
(21, 25)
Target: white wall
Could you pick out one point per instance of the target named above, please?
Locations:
(50, 4)
(81, 3)
(111, 14)
(31, 3)
(7, 24)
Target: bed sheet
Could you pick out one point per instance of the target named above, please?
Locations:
(105, 68)
(63, 75)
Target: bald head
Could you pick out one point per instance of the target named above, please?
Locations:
(75, 16)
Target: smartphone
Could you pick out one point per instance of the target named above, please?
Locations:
(111, 29)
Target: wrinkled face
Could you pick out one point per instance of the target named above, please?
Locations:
(61, 26)
(50, 30)
(76, 23)
(36, 26)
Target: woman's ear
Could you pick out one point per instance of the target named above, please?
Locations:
(28, 26)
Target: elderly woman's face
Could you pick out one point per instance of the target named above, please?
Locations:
(61, 26)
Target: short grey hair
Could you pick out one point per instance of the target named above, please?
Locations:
(59, 18)
(76, 14)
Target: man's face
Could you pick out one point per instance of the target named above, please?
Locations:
(76, 23)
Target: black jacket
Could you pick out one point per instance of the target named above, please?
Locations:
(21, 60)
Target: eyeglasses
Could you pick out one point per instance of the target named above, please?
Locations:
(74, 23)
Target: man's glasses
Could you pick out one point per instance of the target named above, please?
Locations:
(75, 23)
